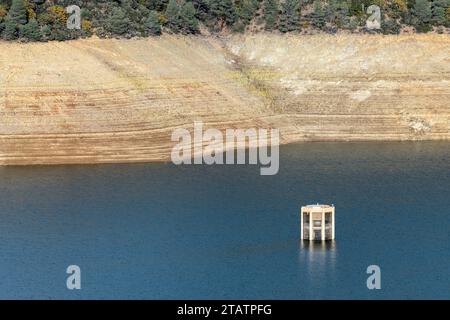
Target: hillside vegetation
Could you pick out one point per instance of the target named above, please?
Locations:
(42, 20)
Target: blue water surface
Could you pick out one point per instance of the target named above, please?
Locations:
(160, 231)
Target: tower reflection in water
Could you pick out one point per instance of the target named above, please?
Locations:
(317, 260)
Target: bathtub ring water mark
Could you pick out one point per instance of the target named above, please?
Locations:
(209, 147)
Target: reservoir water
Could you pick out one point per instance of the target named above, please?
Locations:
(160, 231)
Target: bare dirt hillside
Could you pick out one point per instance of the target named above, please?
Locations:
(91, 101)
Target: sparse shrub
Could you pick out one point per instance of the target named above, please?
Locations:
(390, 26)
(57, 15)
(239, 26)
(86, 27)
(397, 9)
(3, 11)
(46, 32)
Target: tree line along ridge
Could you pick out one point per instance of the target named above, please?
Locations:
(44, 20)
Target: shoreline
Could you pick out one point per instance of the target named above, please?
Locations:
(168, 161)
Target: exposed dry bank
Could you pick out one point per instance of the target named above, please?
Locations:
(90, 101)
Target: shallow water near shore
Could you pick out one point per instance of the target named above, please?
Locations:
(158, 231)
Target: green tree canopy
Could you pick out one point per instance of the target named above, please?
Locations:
(224, 11)
(290, 16)
(318, 15)
(118, 21)
(31, 31)
(134, 18)
(18, 12)
(173, 16)
(271, 8)
(422, 13)
(152, 25)
(188, 20)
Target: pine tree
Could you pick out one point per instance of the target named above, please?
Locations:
(422, 10)
(271, 8)
(290, 16)
(318, 15)
(173, 16)
(355, 7)
(438, 11)
(224, 11)
(422, 14)
(342, 17)
(31, 31)
(337, 12)
(410, 3)
(152, 25)
(118, 22)
(10, 32)
(46, 32)
(17, 17)
(188, 20)
(18, 12)
(247, 10)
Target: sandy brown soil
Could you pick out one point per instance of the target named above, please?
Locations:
(92, 101)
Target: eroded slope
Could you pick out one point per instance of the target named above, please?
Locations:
(89, 101)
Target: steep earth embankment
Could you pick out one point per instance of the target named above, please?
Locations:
(92, 101)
